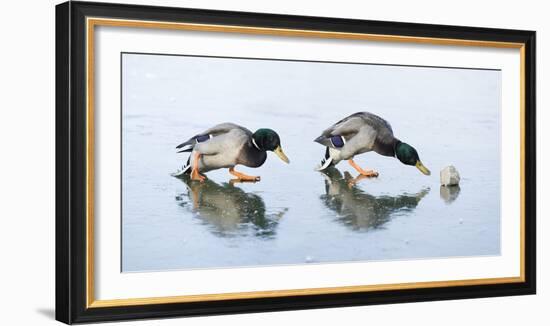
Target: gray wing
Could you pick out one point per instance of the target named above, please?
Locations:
(384, 131)
(347, 128)
(217, 130)
(384, 141)
(224, 128)
(359, 133)
(376, 122)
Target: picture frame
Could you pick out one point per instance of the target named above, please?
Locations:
(76, 236)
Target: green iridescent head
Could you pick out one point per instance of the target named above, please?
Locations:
(409, 156)
(268, 140)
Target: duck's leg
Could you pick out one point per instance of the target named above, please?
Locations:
(242, 176)
(195, 175)
(367, 173)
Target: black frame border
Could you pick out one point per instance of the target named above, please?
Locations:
(71, 162)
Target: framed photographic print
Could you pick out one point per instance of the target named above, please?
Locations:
(212, 162)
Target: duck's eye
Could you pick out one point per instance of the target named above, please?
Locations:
(337, 141)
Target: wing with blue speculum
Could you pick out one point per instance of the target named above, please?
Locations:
(190, 144)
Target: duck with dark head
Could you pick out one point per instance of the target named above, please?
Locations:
(227, 145)
(363, 132)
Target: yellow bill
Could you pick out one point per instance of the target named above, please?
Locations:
(422, 168)
(279, 152)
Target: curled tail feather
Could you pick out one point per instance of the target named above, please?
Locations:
(326, 161)
(187, 146)
(186, 169)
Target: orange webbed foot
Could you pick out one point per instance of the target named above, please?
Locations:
(244, 177)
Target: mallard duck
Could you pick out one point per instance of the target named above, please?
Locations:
(363, 132)
(226, 145)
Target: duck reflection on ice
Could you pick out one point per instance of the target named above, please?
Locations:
(359, 210)
(229, 210)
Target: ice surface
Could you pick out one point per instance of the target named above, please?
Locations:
(448, 115)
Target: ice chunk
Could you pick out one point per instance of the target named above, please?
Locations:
(449, 176)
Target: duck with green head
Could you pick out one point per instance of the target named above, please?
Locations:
(227, 145)
(363, 132)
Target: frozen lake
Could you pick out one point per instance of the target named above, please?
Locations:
(296, 215)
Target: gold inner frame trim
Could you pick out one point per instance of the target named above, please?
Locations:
(283, 293)
(91, 22)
